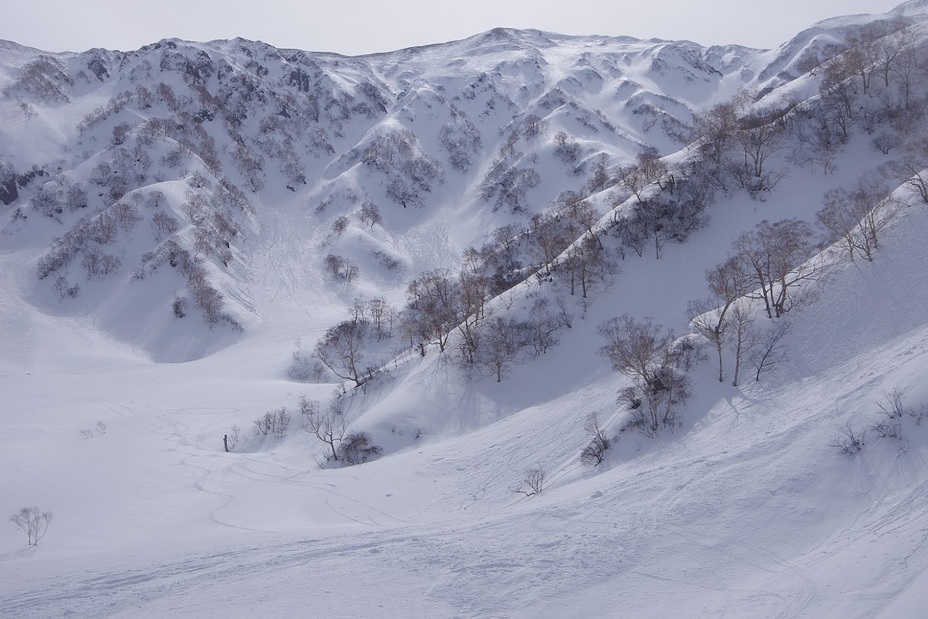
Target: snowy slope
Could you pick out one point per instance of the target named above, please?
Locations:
(746, 509)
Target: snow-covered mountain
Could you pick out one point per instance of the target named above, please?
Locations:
(195, 235)
(197, 146)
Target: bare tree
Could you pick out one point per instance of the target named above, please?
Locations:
(370, 214)
(595, 451)
(642, 352)
(501, 344)
(547, 239)
(382, 316)
(543, 327)
(889, 48)
(583, 215)
(470, 309)
(648, 168)
(838, 97)
(341, 268)
(715, 130)
(860, 58)
(760, 136)
(433, 305)
(163, 225)
(588, 265)
(909, 65)
(533, 481)
(329, 425)
(33, 523)
(912, 166)
(340, 224)
(858, 215)
(341, 349)
(744, 339)
(774, 254)
(651, 165)
(770, 351)
(600, 177)
(849, 442)
(727, 283)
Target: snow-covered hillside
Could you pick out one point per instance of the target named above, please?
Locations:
(183, 224)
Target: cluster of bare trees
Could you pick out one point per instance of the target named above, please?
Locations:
(54, 197)
(648, 169)
(86, 238)
(273, 423)
(443, 309)
(735, 142)
(411, 171)
(44, 79)
(510, 176)
(911, 164)
(327, 423)
(642, 351)
(770, 264)
(33, 522)
(670, 216)
(857, 216)
(461, 139)
(452, 312)
(773, 256)
(890, 51)
(449, 312)
(341, 268)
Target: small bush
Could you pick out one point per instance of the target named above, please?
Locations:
(97, 430)
(533, 481)
(304, 367)
(273, 423)
(895, 414)
(849, 442)
(179, 305)
(64, 290)
(356, 448)
(230, 440)
(340, 224)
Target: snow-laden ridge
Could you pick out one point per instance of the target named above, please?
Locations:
(289, 126)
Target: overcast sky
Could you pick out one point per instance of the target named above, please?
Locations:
(364, 26)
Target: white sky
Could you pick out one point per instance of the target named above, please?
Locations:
(364, 26)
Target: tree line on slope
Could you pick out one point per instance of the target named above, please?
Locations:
(732, 146)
